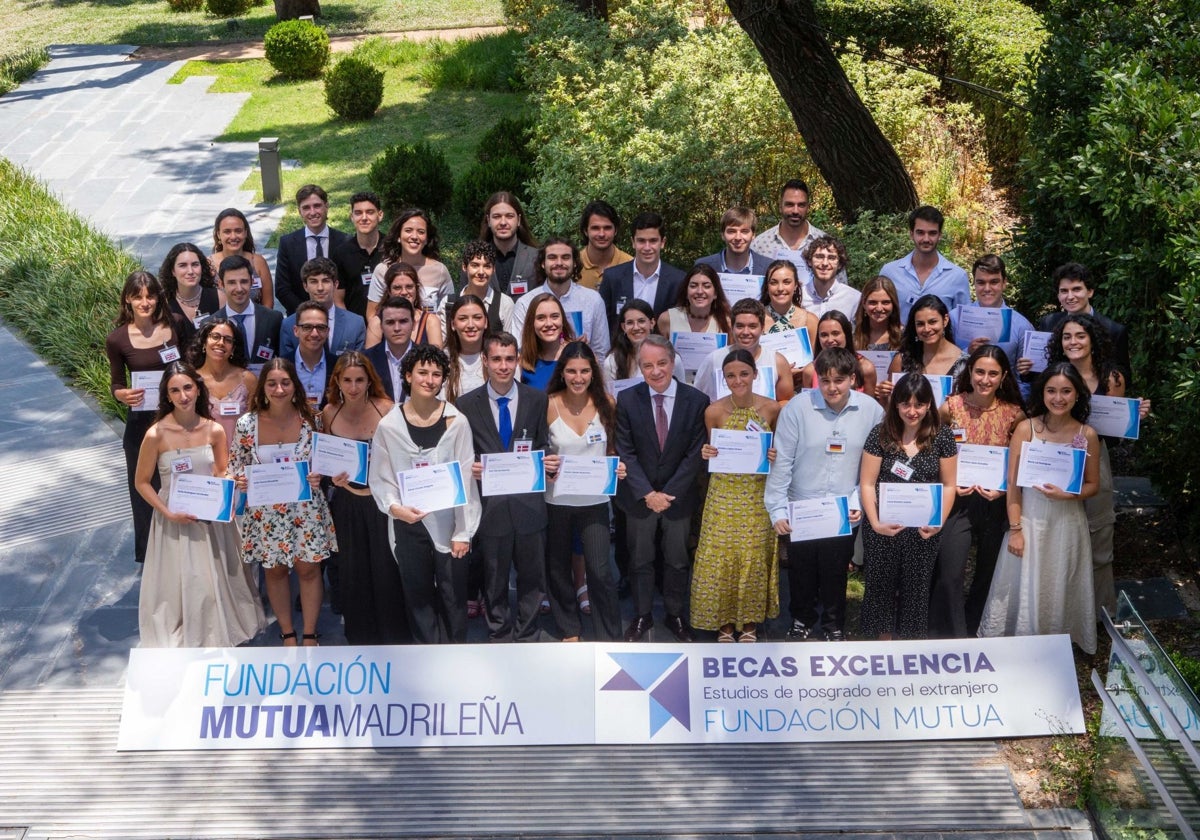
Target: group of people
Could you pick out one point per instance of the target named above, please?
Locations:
(566, 354)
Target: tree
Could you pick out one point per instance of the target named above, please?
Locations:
(859, 164)
(292, 9)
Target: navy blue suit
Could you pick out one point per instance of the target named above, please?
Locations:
(292, 255)
(617, 285)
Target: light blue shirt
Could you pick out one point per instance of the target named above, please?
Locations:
(1016, 333)
(947, 280)
(804, 468)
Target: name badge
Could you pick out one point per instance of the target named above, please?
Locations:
(903, 471)
(313, 400)
(265, 353)
(596, 436)
(282, 458)
(753, 426)
(182, 465)
(255, 281)
(198, 321)
(522, 445)
(169, 354)
(229, 409)
(418, 463)
(960, 435)
(366, 277)
(835, 445)
(621, 304)
(518, 286)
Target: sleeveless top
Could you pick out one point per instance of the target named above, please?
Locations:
(992, 427)
(677, 321)
(565, 441)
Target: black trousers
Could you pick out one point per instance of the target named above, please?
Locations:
(973, 521)
(501, 554)
(434, 584)
(136, 426)
(591, 522)
(641, 531)
(817, 581)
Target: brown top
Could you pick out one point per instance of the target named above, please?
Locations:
(123, 356)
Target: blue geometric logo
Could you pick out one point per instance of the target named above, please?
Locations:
(668, 694)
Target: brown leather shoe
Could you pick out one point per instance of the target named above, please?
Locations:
(638, 628)
(679, 630)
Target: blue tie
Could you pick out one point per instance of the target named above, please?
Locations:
(505, 421)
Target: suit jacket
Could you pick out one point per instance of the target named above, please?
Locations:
(617, 283)
(522, 513)
(267, 326)
(671, 470)
(758, 263)
(349, 333)
(292, 255)
(1117, 334)
(377, 355)
(524, 266)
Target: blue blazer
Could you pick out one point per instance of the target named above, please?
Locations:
(349, 333)
(617, 284)
(758, 263)
(377, 356)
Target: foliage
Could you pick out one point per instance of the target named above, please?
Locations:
(297, 49)
(228, 8)
(1189, 669)
(510, 137)
(354, 89)
(412, 175)
(19, 66)
(489, 62)
(477, 184)
(985, 43)
(44, 246)
(872, 240)
(186, 5)
(1113, 182)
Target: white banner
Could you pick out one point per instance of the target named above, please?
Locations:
(271, 698)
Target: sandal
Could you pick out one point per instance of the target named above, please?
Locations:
(310, 637)
(285, 636)
(749, 634)
(726, 634)
(581, 595)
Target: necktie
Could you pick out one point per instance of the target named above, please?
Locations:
(660, 420)
(505, 421)
(318, 251)
(241, 325)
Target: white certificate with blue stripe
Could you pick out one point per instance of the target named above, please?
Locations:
(992, 323)
(740, 452)
(819, 519)
(943, 386)
(1116, 417)
(982, 466)
(1051, 463)
(333, 455)
(507, 473)
(582, 475)
(280, 483)
(436, 487)
(910, 505)
(203, 496)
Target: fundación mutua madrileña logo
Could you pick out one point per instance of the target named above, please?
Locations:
(662, 677)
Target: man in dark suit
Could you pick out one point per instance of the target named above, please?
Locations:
(647, 278)
(1075, 290)
(737, 232)
(347, 331)
(315, 239)
(506, 416)
(259, 326)
(660, 430)
(396, 318)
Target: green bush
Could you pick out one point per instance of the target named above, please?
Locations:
(44, 246)
(510, 137)
(186, 5)
(19, 66)
(1113, 181)
(228, 8)
(412, 175)
(477, 184)
(489, 62)
(354, 89)
(297, 49)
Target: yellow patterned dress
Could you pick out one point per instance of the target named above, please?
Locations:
(736, 575)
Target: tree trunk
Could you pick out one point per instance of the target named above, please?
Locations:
(854, 157)
(293, 9)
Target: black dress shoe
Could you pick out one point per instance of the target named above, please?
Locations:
(637, 629)
(679, 630)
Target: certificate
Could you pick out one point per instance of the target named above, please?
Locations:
(148, 381)
(738, 286)
(694, 347)
(740, 452)
(910, 505)
(982, 466)
(795, 346)
(818, 519)
(1035, 346)
(506, 473)
(1116, 417)
(580, 475)
(576, 319)
(332, 455)
(1051, 463)
(942, 385)
(992, 323)
(764, 383)
(277, 484)
(436, 487)
(882, 359)
(203, 496)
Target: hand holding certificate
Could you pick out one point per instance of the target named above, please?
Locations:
(1034, 347)
(435, 487)
(146, 381)
(992, 323)
(910, 505)
(1116, 416)
(1055, 464)
(202, 496)
(818, 519)
(277, 484)
(740, 452)
(507, 473)
(694, 347)
(982, 466)
(793, 345)
(332, 456)
(942, 385)
(580, 475)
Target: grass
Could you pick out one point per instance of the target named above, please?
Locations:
(337, 154)
(37, 23)
(19, 66)
(44, 246)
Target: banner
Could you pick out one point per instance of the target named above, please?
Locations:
(474, 695)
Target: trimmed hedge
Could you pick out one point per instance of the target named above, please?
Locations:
(297, 49)
(354, 89)
(412, 175)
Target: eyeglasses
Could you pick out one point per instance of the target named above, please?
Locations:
(313, 328)
(222, 339)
